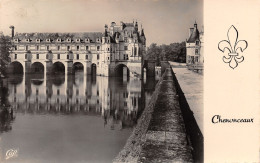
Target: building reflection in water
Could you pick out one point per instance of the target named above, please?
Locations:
(118, 101)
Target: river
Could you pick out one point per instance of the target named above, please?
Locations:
(68, 118)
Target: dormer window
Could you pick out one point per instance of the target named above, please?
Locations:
(38, 40)
(58, 40)
(77, 40)
(68, 40)
(27, 40)
(48, 40)
(16, 40)
(87, 40)
(98, 39)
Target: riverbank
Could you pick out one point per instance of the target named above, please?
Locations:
(160, 135)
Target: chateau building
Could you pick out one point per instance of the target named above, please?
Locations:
(119, 49)
(194, 46)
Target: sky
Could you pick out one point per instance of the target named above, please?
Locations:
(164, 21)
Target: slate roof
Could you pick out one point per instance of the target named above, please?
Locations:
(63, 36)
(194, 36)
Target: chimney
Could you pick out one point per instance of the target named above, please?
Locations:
(190, 31)
(12, 32)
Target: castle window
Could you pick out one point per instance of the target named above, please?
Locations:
(15, 56)
(37, 56)
(77, 56)
(58, 56)
(58, 47)
(86, 47)
(86, 56)
(196, 59)
(77, 47)
(196, 51)
(98, 48)
(97, 56)
(126, 48)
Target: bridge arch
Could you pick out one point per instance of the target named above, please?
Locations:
(121, 70)
(58, 68)
(15, 67)
(93, 69)
(37, 67)
(78, 66)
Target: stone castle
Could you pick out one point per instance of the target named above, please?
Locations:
(116, 51)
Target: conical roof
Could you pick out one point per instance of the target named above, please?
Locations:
(194, 36)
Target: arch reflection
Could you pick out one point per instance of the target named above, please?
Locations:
(118, 103)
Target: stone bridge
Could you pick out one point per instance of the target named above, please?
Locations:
(50, 64)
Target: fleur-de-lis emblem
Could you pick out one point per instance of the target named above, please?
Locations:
(233, 46)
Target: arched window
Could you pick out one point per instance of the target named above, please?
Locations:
(77, 56)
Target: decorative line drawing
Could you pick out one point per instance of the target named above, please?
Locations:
(233, 45)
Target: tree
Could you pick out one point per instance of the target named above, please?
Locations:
(173, 52)
(5, 47)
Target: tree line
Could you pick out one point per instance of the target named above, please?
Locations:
(5, 46)
(173, 52)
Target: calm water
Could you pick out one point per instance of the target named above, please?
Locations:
(73, 118)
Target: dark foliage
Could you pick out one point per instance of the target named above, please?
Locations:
(174, 52)
(5, 47)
